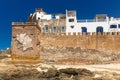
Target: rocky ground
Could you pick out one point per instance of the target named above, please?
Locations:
(56, 72)
(78, 65)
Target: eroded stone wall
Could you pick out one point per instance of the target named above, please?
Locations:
(25, 43)
(80, 49)
(104, 42)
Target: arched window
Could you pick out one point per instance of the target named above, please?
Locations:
(99, 29)
(84, 29)
(54, 29)
(62, 29)
(46, 29)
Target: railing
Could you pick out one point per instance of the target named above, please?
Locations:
(92, 20)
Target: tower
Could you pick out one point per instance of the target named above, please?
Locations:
(71, 21)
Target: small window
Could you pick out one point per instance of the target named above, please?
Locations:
(71, 20)
(99, 29)
(72, 26)
(53, 16)
(38, 18)
(113, 26)
(54, 29)
(84, 29)
(46, 29)
(62, 29)
(118, 25)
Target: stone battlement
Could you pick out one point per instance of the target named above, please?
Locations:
(84, 34)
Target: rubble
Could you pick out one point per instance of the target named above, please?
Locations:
(57, 74)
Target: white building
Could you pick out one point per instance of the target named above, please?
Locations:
(101, 22)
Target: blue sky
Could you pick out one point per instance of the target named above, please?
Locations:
(19, 10)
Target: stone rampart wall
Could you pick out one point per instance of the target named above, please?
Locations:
(28, 42)
(105, 41)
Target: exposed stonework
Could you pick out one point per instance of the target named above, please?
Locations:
(25, 45)
(103, 42)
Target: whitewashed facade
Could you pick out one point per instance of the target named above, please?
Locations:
(108, 24)
(101, 23)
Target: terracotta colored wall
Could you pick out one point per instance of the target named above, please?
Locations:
(30, 32)
(105, 41)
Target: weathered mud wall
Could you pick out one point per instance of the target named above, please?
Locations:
(80, 49)
(104, 42)
(25, 44)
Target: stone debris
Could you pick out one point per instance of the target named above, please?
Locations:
(55, 74)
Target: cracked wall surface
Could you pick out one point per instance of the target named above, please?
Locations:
(25, 41)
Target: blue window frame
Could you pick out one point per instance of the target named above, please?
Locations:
(99, 29)
(113, 26)
(46, 29)
(62, 29)
(84, 29)
(53, 16)
(54, 29)
(118, 25)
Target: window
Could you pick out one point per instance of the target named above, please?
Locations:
(38, 18)
(113, 26)
(99, 29)
(46, 29)
(118, 25)
(54, 29)
(71, 20)
(62, 29)
(72, 26)
(53, 16)
(84, 29)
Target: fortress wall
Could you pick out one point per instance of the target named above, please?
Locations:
(28, 42)
(105, 41)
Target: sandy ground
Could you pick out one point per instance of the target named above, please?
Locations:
(99, 67)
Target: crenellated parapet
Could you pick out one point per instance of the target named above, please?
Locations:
(83, 34)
